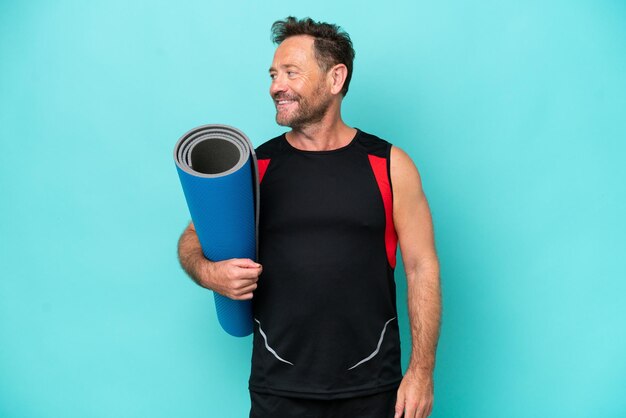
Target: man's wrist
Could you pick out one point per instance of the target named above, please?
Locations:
(205, 272)
(421, 369)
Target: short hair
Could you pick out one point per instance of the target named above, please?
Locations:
(332, 44)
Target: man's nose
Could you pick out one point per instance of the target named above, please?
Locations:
(278, 85)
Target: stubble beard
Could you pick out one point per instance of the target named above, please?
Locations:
(308, 112)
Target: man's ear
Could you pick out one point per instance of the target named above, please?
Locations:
(338, 76)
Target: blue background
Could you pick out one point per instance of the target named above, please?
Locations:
(514, 113)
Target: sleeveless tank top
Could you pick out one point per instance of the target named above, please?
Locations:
(325, 307)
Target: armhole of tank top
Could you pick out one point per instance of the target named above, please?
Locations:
(389, 173)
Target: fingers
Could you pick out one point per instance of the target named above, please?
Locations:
(407, 408)
(235, 278)
(245, 263)
(241, 289)
(399, 405)
(247, 289)
(427, 410)
(409, 411)
(418, 409)
(242, 277)
(245, 293)
(244, 268)
(423, 410)
(246, 273)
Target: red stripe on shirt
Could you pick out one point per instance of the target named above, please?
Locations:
(262, 164)
(379, 166)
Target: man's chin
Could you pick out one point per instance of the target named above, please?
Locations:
(283, 121)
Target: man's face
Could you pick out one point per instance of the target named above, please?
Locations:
(299, 87)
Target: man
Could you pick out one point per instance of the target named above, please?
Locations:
(335, 201)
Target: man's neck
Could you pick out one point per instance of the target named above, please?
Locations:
(328, 134)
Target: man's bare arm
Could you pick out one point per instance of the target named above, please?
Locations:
(413, 223)
(235, 278)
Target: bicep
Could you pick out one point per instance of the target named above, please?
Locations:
(411, 214)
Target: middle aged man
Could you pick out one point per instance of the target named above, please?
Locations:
(335, 202)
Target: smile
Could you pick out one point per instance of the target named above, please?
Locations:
(283, 103)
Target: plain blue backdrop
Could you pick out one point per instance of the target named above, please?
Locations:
(514, 113)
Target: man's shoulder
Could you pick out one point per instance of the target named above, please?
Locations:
(374, 145)
(270, 148)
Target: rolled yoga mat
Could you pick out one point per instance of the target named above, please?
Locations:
(218, 173)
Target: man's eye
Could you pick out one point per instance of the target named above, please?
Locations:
(290, 73)
(272, 76)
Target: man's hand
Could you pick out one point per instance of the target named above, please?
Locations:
(415, 395)
(235, 278)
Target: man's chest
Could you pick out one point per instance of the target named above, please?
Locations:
(320, 191)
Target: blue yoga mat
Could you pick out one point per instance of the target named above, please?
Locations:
(218, 173)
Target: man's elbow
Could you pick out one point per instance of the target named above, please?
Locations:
(427, 267)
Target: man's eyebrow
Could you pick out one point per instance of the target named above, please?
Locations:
(284, 66)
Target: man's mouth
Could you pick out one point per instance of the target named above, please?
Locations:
(282, 103)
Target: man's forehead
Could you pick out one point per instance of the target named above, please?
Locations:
(298, 48)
